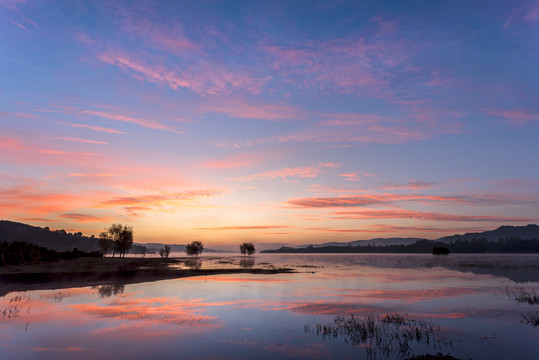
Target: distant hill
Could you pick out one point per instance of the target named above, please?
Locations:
(503, 232)
(59, 240)
(373, 242)
(505, 239)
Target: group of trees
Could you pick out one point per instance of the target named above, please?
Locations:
(194, 248)
(117, 238)
(22, 253)
(247, 248)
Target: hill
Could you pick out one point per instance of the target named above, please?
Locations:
(516, 239)
(503, 232)
(373, 242)
(58, 240)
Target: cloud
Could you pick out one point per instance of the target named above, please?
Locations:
(251, 227)
(135, 204)
(373, 199)
(202, 77)
(82, 140)
(244, 110)
(95, 128)
(418, 215)
(33, 199)
(412, 185)
(515, 116)
(85, 218)
(286, 173)
(19, 25)
(128, 119)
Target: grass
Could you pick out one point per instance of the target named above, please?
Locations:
(383, 334)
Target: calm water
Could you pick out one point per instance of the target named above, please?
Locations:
(463, 297)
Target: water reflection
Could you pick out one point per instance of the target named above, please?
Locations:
(193, 264)
(381, 336)
(105, 291)
(245, 316)
(529, 297)
(247, 263)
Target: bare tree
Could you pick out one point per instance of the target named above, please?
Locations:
(194, 248)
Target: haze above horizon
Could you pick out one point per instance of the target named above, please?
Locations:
(271, 122)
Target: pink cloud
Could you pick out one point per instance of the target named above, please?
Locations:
(19, 25)
(286, 173)
(202, 78)
(128, 119)
(244, 110)
(515, 116)
(85, 218)
(418, 215)
(36, 200)
(251, 227)
(139, 203)
(95, 128)
(82, 140)
(412, 185)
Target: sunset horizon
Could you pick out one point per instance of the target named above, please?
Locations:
(275, 123)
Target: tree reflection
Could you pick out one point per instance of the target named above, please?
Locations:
(193, 264)
(247, 263)
(106, 291)
(383, 335)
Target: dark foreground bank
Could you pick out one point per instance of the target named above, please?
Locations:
(102, 271)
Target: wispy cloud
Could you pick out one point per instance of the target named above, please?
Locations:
(373, 199)
(93, 127)
(287, 173)
(202, 78)
(250, 227)
(133, 120)
(82, 140)
(418, 215)
(515, 116)
(85, 218)
(142, 203)
(412, 185)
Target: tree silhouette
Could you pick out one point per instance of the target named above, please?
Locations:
(440, 250)
(121, 237)
(247, 248)
(194, 248)
(165, 252)
(104, 242)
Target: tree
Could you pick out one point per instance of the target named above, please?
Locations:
(440, 250)
(194, 248)
(247, 248)
(165, 252)
(121, 237)
(104, 242)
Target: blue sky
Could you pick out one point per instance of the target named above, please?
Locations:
(274, 122)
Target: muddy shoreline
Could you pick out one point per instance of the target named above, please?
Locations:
(107, 271)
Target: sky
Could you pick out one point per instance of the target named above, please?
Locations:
(273, 122)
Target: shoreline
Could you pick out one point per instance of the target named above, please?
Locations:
(84, 272)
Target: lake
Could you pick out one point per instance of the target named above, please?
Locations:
(468, 306)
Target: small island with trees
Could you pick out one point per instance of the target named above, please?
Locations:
(91, 261)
